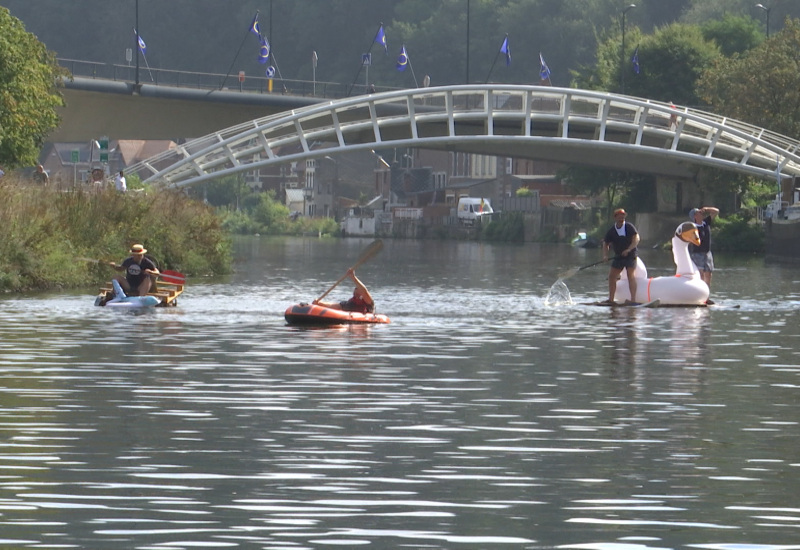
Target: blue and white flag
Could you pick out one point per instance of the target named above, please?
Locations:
(254, 28)
(263, 52)
(402, 59)
(506, 49)
(380, 38)
(544, 70)
(635, 60)
(140, 40)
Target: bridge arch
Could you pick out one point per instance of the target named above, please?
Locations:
(535, 122)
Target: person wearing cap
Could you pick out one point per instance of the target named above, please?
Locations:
(701, 254)
(140, 271)
(624, 237)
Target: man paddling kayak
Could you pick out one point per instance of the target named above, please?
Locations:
(360, 302)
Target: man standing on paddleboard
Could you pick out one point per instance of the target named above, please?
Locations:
(624, 237)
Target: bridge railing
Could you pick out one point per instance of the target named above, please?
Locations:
(206, 81)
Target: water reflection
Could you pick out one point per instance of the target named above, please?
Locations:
(482, 417)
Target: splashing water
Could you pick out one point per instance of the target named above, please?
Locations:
(558, 294)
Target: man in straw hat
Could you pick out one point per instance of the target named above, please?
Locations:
(140, 271)
(624, 237)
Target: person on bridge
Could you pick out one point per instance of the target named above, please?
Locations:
(360, 302)
(40, 176)
(119, 182)
(140, 272)
(624, 237)
(701, 255)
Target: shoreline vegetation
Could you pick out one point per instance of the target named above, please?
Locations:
(46, 231)
(48, 234)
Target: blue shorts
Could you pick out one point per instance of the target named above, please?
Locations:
(703, 260)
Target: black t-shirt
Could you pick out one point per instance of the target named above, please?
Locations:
(620, 242)
(134, 273)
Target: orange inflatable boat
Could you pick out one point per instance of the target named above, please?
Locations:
(310, 314)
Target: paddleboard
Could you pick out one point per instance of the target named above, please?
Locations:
(652, 303)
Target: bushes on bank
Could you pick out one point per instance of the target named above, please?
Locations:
(510, 227)
(737, 233)
(45, 231)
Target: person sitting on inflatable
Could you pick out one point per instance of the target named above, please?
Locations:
(360, 302)
(140, 272)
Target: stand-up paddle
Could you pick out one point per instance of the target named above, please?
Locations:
(368, 253)
(569, 273)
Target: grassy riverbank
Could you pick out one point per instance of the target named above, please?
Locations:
(44, 232)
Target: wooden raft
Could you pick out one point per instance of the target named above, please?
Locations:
(167, 293)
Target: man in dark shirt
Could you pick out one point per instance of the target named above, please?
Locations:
(624, 237)
(701, 255)
(140, 272)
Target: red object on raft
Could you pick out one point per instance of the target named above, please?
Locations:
(310, 314)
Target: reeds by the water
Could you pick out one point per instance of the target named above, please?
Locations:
(44, 229)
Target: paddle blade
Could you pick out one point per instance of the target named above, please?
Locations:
(173, 277)
(569, 273)
(369, 252)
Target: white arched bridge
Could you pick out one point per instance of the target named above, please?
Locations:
(535, 122)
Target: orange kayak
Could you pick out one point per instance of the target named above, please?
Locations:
(309, 314)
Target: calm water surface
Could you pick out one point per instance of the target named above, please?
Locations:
(496, 411)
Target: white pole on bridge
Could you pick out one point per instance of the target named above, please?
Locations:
(314, 61)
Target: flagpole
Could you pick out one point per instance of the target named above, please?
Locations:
(495, 59)
(136, 40)
(492, 67)
(148, 67)
(246, 34)
(416, 84)
(369, 51)
(467, 79)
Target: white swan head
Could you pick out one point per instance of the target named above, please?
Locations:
(687, 232)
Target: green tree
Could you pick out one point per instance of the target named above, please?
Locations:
(734, 34)
(29, 76)
(618, 188)
(270, 214)
(671, 61)
(762, 86)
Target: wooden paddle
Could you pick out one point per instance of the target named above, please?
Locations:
(168, 276)
(569, 273)
(369, 252)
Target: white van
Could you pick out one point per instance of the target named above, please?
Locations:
(472, 208)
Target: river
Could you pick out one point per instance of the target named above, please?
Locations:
(497, 410)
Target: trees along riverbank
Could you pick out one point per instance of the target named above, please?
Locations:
(45, 231)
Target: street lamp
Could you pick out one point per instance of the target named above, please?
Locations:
(766, 9)
(622, 55)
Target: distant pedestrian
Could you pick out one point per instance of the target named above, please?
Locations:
(2, 172)
(120, 183)
(40, 176)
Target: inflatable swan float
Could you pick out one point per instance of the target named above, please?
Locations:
(684, 288)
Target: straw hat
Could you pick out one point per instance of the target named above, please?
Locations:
(138, 249)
